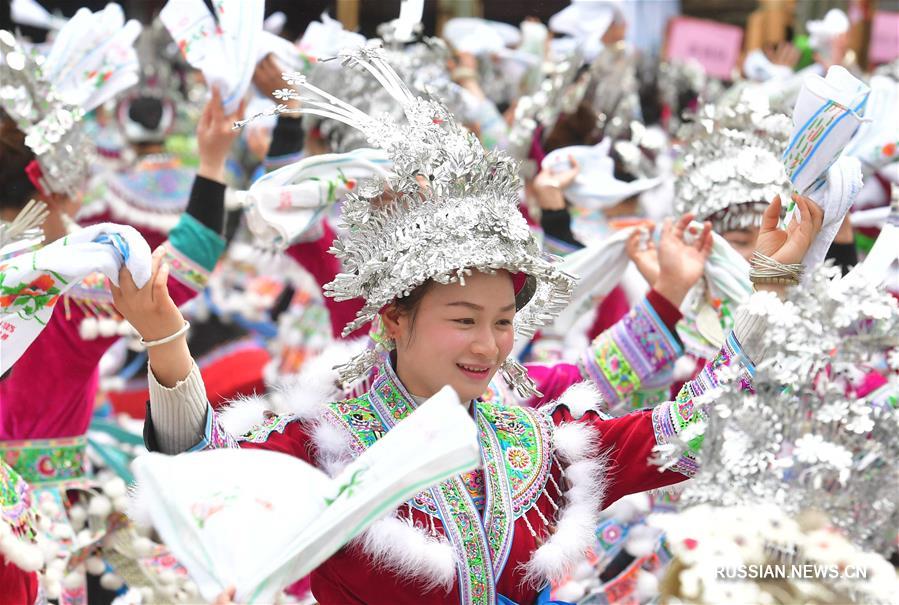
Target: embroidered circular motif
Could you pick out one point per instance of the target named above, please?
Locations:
(518, 458)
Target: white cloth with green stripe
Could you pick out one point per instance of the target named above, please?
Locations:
(828, 113)
(260, 520)
(31, 284)
(287, 205)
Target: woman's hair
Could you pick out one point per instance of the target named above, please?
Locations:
(408, 305)
(15, 187)
(146, 111)
(578, 128)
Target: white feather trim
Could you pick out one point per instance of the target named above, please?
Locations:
(332, 447)
(396, 545)
(303, 396)
(574, 442)
(242, 414)
(580, 398)
(576, 521)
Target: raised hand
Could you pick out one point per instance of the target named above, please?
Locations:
(644, 254)
(548, 186)
(155, 316)
(788, 246)
(150, 309)
(215, 135)
(681, 264)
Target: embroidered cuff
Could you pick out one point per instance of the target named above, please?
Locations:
(196, 242)
(672, 418)
(623, 357)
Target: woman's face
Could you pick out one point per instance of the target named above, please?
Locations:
(742, 240)
(458, 336)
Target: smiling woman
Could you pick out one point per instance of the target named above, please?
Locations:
(472, 323)
(449, 267)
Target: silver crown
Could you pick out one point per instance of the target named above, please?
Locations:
(449, 207)
(51, 127)
(732, 162)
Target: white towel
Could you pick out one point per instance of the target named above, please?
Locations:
(827, 115)
(287, 204)
(600, 266)
(31, 284)
(224, 47)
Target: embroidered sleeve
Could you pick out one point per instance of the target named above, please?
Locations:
(192, 251)
(625, 357)
(628, 441)
(674, 417)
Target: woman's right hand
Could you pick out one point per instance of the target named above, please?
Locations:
(644, 254)
(548, 186)
(150, 309)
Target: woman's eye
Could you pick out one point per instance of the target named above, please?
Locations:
(504, 322)
(467, 321)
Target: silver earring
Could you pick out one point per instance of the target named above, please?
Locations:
(516, 376)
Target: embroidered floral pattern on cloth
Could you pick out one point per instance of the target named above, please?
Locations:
(45, 461)
(516, 447)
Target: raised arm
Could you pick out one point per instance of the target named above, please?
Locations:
(629, 439)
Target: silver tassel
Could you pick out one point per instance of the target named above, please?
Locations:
(516, 376)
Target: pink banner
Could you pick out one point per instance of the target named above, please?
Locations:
(884, 46)
(716, 46)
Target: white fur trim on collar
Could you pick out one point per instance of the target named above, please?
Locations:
(580, 398)
(396, 545)
(578, 445)
(242, 414)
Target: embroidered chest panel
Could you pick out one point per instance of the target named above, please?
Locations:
(477, 510)
(519, 437)
(524, 438)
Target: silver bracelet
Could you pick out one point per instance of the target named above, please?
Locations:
(766, 270)
(155, 343)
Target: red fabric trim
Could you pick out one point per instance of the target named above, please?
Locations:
(668, 313)
(612, 308)
(35, 174)
(228, 378)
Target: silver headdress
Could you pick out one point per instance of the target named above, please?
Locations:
(24, 231)
(803, 438)
(449, 208)
(732, 163)
(50, 125)
(557, 93)
(91, 60)
(422, 66)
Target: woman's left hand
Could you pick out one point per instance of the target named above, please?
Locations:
(788, 246)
